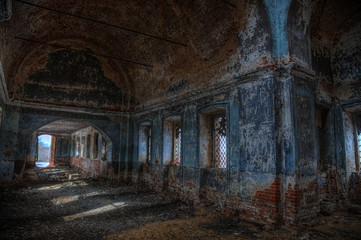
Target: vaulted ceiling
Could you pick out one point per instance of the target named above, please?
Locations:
(125, 55)
(64, 126)
(115, 54)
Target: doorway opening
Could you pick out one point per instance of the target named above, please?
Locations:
(44, 150)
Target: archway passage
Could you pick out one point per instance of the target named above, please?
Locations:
(71, 142)
(44, 153)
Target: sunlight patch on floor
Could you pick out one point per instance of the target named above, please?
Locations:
(68, 199)
(62, 185)
(96, 211)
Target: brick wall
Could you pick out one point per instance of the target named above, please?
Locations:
(355, 189)
(93, 168)
(61, 160)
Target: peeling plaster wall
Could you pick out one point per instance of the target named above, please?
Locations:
(9, 145)
(350, 143)
(335, 49)
(9, 135)
(257, 126)
(306, 155)
(277, 12)
(268, 81)
(254, 41)
(335, 45)
(299, 30)
(346, 65)
(263, 170)
(285, 175)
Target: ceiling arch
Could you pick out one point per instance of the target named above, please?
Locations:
(179, 40)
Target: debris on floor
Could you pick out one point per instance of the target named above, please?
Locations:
(60, 203)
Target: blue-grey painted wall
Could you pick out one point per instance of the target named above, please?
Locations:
(190, 136)
(277, 11)
(233, 140)
(157, 138)
(257, 126)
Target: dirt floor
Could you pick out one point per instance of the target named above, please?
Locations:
(59, 203)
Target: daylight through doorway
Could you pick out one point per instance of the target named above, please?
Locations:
(44, 150)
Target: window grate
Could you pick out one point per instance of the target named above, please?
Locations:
(82, 145)
(149, 144)
(73, 146)
(78, 146)
(359, 147)
(104, 149)
(220, 142)
(177, 145)
(88, 146)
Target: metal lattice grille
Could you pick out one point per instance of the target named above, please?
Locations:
(359, 147)
(220, 142)
(82, 146)
(177, 144)
(73, 144)
(88, 146)
(149, 144)
(78, 147)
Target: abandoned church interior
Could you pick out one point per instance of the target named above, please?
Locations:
(250, 105)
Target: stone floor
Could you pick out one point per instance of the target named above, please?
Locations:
(59, 203)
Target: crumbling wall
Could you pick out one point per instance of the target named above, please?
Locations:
(306, 160)
(335, 46)
(346, 67)
(94, 162)
(260, 182)
(9, 144)
(275, 173)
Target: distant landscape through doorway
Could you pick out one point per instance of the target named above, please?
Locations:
(44, 150)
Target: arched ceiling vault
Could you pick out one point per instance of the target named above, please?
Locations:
(333, 18)
(207, 28)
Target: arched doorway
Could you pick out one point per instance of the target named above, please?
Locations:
(71, 142)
